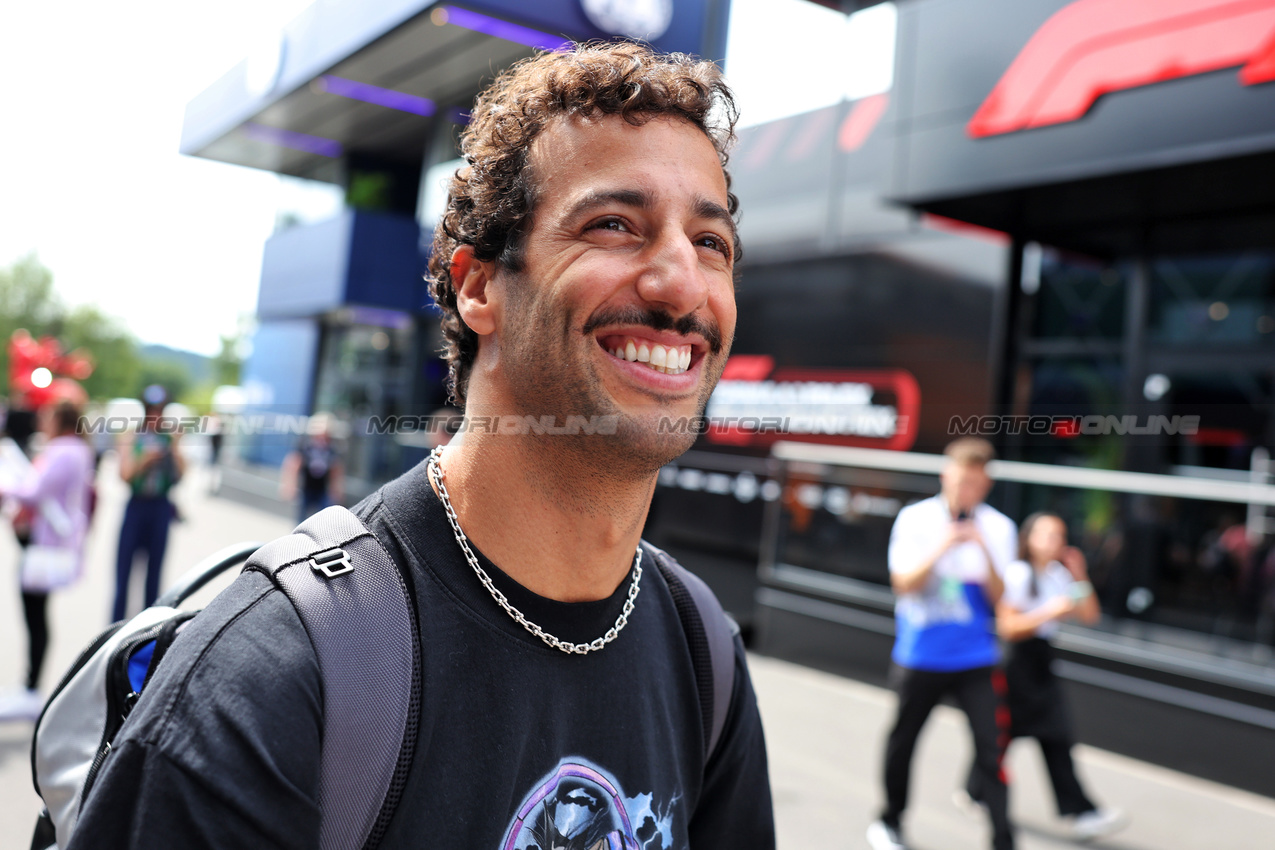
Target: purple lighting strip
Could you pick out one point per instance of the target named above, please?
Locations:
(503, 29)
(292, 139)
(375, 94)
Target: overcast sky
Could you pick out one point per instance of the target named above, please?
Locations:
(90, 119)
(91, 112)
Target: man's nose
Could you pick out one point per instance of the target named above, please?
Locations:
(673, 276)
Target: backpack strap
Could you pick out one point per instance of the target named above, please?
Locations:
(710, 634)
(355, 607)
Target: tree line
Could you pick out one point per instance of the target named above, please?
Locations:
(28, 299)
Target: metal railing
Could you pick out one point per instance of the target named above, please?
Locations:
(803, 589)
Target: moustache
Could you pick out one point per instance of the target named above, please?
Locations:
(658, 320)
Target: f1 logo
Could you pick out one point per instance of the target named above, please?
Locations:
(1094, 47)
(332, 563)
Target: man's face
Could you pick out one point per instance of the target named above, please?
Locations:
(965, 485)
(628, 262)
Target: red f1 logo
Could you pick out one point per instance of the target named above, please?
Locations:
(1093, 47)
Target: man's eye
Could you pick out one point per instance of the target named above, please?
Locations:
(612, 224)
(715, 243)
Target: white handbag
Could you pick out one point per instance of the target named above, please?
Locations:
(46, 568)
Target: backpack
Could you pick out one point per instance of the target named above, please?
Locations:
(354, 604)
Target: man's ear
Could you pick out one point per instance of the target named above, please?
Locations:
(472, 279)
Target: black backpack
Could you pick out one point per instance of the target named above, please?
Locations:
(354, 605)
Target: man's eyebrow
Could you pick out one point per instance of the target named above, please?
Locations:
(624, 197)
(704, 208)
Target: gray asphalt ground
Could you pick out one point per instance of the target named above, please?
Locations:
(825, 733)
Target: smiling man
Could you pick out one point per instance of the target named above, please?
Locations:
(584, 269)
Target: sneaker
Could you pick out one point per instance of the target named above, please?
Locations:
(967, 804)
(21, 704)
(882, 836)
(1097, 823)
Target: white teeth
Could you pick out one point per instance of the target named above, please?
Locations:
(671, 360)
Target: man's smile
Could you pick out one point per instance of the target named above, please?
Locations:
(665, 357)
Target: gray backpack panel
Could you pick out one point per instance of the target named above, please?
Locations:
(332, 567)
(355, 608)
(78, 714)
(74, 733)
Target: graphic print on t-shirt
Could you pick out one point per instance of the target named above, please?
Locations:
(578, 806)
(948, 604)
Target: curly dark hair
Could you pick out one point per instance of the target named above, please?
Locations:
(491, 199)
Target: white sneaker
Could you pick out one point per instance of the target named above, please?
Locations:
(1097, 823)
(21, 704)
(967, 804)
(882, 836)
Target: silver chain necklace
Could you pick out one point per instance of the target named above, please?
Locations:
(435, 470)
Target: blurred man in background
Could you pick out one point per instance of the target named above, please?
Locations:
(315, 468)
(947, 554)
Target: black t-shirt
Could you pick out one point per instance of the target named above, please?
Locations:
(519, 745)
(317, 459)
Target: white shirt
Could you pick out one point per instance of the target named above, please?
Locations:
(919, 531)
(948, 623)
(1053, 581)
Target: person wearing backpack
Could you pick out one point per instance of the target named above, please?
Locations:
(584, 269)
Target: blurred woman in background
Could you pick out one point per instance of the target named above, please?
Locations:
(57, 497)
(1048, 584)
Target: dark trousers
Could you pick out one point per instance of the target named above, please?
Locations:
(311, 504)
(35, 610)
(145, 526)
(1068, 794)
(919, 691)
(1037, 707)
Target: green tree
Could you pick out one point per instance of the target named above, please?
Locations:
(228, 363)
(117, 371)
(27, 300)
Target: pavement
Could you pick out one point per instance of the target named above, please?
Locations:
(825, 733)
